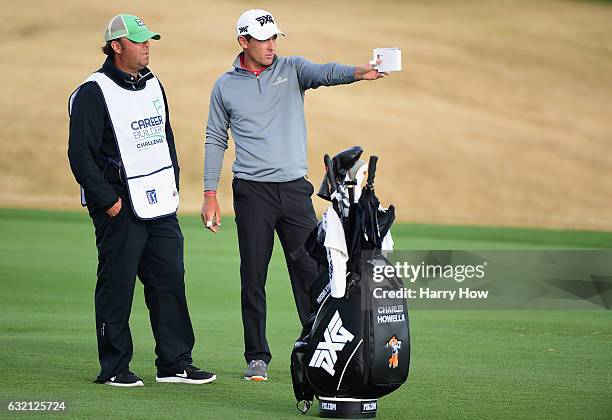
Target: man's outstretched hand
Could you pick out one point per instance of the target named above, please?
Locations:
(368, 72)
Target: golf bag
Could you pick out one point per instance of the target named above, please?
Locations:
(356, 347)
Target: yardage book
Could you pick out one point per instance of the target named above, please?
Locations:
(390, 59)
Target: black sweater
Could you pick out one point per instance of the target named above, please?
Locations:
(92, 145)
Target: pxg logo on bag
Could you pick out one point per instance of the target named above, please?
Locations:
(336, 336)
(152, 197)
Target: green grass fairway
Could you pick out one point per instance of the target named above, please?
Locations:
(466, 364)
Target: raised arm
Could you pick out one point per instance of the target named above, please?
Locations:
(311, 75)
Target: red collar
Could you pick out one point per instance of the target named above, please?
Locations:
(255, 72)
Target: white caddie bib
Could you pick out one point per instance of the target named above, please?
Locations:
(139, 122)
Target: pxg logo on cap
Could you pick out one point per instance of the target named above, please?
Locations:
(258, 23)
(265, 19)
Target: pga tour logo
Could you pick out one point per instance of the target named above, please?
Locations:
(152, 197)
(336, 336)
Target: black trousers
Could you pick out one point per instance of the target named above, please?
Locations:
(153, 251)
(261, 208)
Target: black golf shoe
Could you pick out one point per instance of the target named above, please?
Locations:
(126, 379)
(189, 375)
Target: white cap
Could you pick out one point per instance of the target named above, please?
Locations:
(257, 23)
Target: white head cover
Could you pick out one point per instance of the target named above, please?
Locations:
(257, 23)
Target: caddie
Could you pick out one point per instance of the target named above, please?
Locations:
(122, 154)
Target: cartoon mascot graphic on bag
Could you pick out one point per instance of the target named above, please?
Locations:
(395, 346)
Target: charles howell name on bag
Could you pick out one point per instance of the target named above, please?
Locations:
(390, 313)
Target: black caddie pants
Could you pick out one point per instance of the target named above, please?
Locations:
(153, 251)
(262, 208)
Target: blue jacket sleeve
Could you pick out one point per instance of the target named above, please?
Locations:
(216, 138)
(311, 75)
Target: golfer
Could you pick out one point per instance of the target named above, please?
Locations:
(121, 151)
(262, 101)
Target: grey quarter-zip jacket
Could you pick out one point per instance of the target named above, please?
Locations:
(265, 114)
